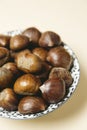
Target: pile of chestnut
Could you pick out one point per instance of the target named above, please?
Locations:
(34, 71)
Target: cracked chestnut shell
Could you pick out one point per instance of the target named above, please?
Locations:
(53, 90)
(19, 42)
(33, 34)
(59, 57)
(27, 84)
(41, 53)
(4, 40)
(31, 105)
(58, 72)
(49, 39)
(6, 77)
(8, 100)
(4, 55)
(28, 62)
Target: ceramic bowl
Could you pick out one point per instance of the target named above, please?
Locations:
(75, 72)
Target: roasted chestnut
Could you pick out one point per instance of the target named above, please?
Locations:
(41, 53)
(33, 34)
(28, 62)
(6, 77)
(8, 99)
(12, 67)
(19, 42)
(58, 72)
(4, 55)
(59, 57)
(30, 105)
(27, 84)
(4, 40)
(53, 90)
(49, 39)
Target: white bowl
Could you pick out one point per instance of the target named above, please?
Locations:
(75, 72)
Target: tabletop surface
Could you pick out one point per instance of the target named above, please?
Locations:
(68, 18)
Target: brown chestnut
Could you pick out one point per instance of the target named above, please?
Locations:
(58, 72)
(53, 90)
(41, 53)
(4, 55)
(6, 77)
(19, 42)
(27, 84)
(8, 100)
(31, 105)
(4, 40)
(33, 34)
(43, 75)
(14, 54)
(28, 62)
(12, 67)
(59, 57)
(49, 39)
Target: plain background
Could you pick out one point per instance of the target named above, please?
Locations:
(69, 19)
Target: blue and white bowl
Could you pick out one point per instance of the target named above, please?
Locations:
(75, 72)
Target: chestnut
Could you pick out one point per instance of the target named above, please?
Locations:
(43, 75)
(8, 99)
(49, 39)
(12, 67)
(27, 84)
(14, 54)
(19, 42)
(31, 105)
(4, 55)
(28, 62)
(41, 53)
(6, 77)
(59, 57)
(53, 90)
(33, 34)
(58, 72)
(4, 40)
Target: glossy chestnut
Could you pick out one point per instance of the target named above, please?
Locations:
(27, 84)
(33, 34)
(31, 105)
(4, 40)
(41, 53)
(19, 42)
(6, 77)
(59, 57)
(4, 55)
(58, 72)
(8, 99)
(53, 90)
(49, 39)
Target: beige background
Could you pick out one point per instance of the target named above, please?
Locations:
(69, 19)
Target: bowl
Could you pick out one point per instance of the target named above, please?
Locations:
(75, 72)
